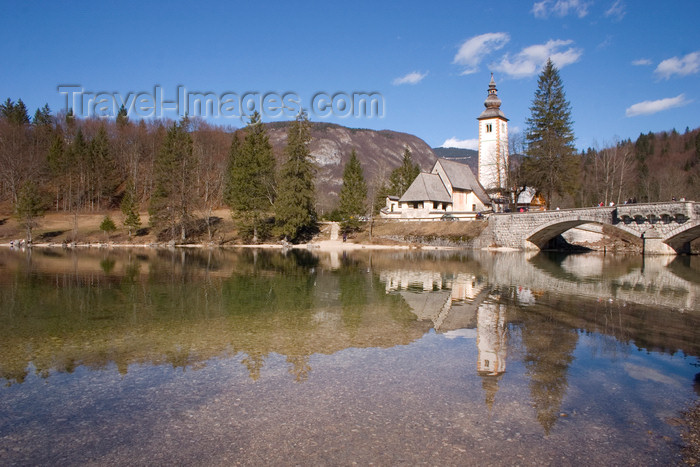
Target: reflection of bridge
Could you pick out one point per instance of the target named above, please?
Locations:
(666, 228)
(653, 281)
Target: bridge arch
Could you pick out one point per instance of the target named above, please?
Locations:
(544, 233)
(679, 238)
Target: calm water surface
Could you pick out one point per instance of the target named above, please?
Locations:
(149, 357)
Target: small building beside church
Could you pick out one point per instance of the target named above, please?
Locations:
(450, 191)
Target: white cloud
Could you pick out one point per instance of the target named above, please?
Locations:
(561, 8)
(473, 50)
(641, 62)
(688, 65)
(413, 77)
(605, 43)
(617, 11)
(461, 143)
(652, 107)
(529, 60)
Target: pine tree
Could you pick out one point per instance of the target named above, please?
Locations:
(174, 194)
(250, 184)
(15, 113)
(107, 226)
(550, 164)
(295, 214)
(18, 161)
(122, 117)
(29, 207)
(402, 177)
(129, 207)
(76, 163)
(56, 159)
(643, 150)
(42, 116)
(353, 193)
(103, 168)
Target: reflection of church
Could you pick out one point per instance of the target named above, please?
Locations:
(491, 342)
(457, 306)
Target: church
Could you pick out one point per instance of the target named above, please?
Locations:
(450, 191)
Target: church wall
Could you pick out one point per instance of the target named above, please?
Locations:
(493, 153)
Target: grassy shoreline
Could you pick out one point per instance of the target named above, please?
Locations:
(59, 230)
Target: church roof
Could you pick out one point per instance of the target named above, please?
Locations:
(526, 196)
(491, 113)
(461, 177)
(427, 187)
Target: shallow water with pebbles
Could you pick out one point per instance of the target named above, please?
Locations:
(255, 357)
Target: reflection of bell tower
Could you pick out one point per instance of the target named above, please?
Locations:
(493, 143)
(491, 343)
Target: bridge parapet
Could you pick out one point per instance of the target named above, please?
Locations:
(666, 228)
(659, 212)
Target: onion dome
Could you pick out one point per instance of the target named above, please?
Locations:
(492, 103)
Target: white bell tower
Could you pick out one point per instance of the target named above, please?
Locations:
(493, 144)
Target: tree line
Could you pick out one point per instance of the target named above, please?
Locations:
(655, 167)
(180, 171)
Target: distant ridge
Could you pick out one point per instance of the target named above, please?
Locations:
(465, 156)
(379, 152)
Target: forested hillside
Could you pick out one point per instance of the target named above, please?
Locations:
(85, 165)
(655, 167)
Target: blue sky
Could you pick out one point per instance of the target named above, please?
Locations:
(628, 66)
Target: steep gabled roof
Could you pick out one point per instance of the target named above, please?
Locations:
(526, 196)
(461, 177)
(427, 187)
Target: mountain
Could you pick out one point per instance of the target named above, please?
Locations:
(380, 152)
(465, 156)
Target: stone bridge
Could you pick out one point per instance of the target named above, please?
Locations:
(665, 228)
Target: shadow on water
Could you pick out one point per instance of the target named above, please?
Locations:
(686, 267)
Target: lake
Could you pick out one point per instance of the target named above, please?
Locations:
(259, 357)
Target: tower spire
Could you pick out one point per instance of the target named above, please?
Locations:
(492, 102)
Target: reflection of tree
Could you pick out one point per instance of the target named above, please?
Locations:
(353, 285)
(182, 308)
(274, 296)
(549, 347)
(131, 271)
(300, 367)
(179, 358)
(107, 265)
(254, 363)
